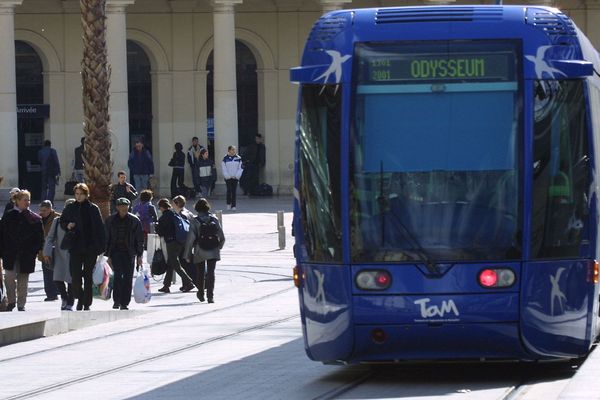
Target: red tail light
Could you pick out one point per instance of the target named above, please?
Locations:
(488, 278)
(497, 278)
(373, 280)
(378, 335)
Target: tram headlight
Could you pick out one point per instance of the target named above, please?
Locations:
(373, 280)
(497, 278)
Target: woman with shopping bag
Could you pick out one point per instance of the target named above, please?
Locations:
(85, 239)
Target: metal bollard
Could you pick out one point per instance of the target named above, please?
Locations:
(281, 230)
(219, 214)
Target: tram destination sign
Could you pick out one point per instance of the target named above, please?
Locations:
(435, 67)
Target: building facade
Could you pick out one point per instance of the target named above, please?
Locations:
(179, 68)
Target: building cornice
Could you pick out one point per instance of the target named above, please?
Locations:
(8, 6)
(118, 6)
(225, 5)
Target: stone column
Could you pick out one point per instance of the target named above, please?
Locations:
(333, 5)
(118, 108)
(9, 150)
(225, 91)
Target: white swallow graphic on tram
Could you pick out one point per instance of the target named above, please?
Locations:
(556, 293)
(334, 68)
(542, 66)
(320, 296)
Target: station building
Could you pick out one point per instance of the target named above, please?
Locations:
(215, 69)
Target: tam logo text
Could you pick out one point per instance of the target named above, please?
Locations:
(430, 311)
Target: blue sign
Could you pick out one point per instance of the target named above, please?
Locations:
(210, 128)
(33, 110)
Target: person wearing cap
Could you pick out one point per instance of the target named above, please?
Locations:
(11, 200)
(124, 247)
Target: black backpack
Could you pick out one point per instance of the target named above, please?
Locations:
(208, 238)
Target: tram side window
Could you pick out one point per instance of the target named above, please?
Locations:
(560, 169)
(319, 176)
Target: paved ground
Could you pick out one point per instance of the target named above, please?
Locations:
(246, 345)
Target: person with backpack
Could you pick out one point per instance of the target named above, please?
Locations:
(146, 212)
(170, 227)
(203, 248)
(178, 204)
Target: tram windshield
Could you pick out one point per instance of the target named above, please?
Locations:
(435, 152)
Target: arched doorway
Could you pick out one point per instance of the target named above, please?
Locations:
(247, 95)
(31, 114)
(139, 87)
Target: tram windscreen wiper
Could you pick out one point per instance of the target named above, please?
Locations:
(382, 200)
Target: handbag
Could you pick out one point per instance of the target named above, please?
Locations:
(159, 264)
(70, 186)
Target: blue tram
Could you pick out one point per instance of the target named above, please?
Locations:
(446, 198)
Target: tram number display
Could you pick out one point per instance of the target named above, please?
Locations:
(427, 68)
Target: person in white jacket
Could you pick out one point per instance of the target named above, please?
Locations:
(232, 171)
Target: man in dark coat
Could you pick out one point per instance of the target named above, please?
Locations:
(125, 245)
(140, 165)
(121, 189)
(50, 167)
(86, 241)
(21, 238)
(78, 165)
(254, 160)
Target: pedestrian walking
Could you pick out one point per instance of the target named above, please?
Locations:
(193, 156)
(78, 165)
(85, 239)
(48, 215)
(166, 230)
(146, 212)
(254, 160)
(140, 165)
(121, 189)
(11, 200)
(59, 260)
(178, 204)
(206, 166)
(50, 167)
(203, 248)
(21, 238)
(124, 247)
(178, 164)
(232, 171)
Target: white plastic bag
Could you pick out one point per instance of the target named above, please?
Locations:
(141, 288)
(98, 274)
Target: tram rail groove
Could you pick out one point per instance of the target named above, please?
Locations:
(345, 388)
(165, 354)
(144, 327)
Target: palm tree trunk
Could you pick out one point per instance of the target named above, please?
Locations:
(95, 73)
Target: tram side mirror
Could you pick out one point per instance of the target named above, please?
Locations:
(574, 68)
